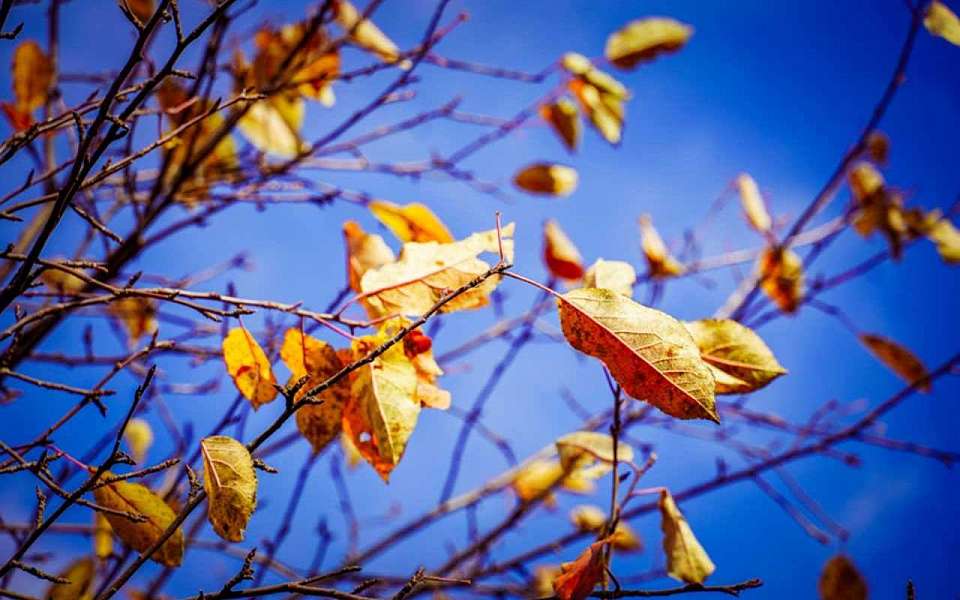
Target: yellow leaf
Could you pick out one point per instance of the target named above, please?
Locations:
(138, 499)
(643, 40)
(578, 578)
(559, 254)
(542, 584)
(249, 367)
(139, 438)
(306, 355)
(752, 202)
(350, 452)
(865, 181)
(418, 348)
(538, 476)
(231, 485)
(590, 518)
(137, 314)
(781, 277)
(32, 76)
(81, 573)
(102, 536)
(648, 352)
(413, 222)
(367, 35)
(365, 251)
(61, 281)
(687, 561)
(897, 358)
(739, 359)
(947, 238)
(942, 22)
(273, 125)
(562, 117)
(425, 271)
(547, 179)
(615, 275)
(662, 264)
(840, 580)
(589, 454)
(600, 96)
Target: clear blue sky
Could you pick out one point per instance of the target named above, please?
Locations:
(773, 88)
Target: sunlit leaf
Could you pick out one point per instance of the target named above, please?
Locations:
(590, 518)
(547, 179)
(643, 40)
(878, 147)
(840, 580)
(141, 9)
(102, 536)
(752, 202)
(139, 438)
(563, 119)
(942, 22)
(897, 358)
(413, 222)
(559, 254)
(578, 578)
(590, 454)
(600, 96)
(739, 359)
(32, 78)
(686, 558)
(542, 584)
(81, 574)
(231, 485)
(945, 235)
(537, 477)
(781, 277)
(365, 251)
(350, 453)
(865, 180)
(615, 275)
(273, 125)
(367, 35)
(249, 367)
(662, 264)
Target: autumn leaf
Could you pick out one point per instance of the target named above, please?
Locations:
(615, 275)
(542, 583)
(589, 454)
(897, 358)
(365, 251)
(687, 561)
(273, 125)
(947, 239)
(538, 477)
(840, 580)
(662, 264)
(413, 222)
(578, 578)
(351, 455)
(878, 147)
(80, 574)
(418, 348)
(137, 314)
(425, 271)
(315, 65)
(102, 536)
(140, 535)
(865, 181)
(231, 485)
(592, 519)
(139, 438)
(305, 355)
(61, 281)
(32, 78)
(781, 277)
(559, 254)
(648, 352)
(249, 367)
(600, 96)
(643, 40)
(547, 179)
(562, 117)
(754, 208)
(141, 9)
(942, 22)
(738, 358)
(367, 35)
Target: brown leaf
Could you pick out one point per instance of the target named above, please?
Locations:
(546, 179)
(562, 118)
(840, 580)
(781, 277)
(559, 254)
(897, 358)
(249, 367)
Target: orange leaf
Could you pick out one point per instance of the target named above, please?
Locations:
(249, 367)
(897, 358)
(32, 76)
(781, 277)
(413, 222)
(578, 578)
(661, 263)
(560, 255)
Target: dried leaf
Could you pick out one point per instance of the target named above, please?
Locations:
(897, 358)
(538, 476)
(781, 277)
(546, 179)
(562, 117)
(578, 578)
(273, 125)
(615, 275)
(316, 63)
(365, 251)
(648, 352)
(643, 40)
(590, 518)
(947, 238)
(942, 22)
(80, 573)
(32, 73)
(413, 222)
(878, 147)
(138, 315)
(231, 485)
(589, 454)
(662, 264)
(139, 438)
(138, 499)
(739, 359)
(249, 367)
(425, 271)
(840, 580)
(418, 348)
(559, 254)
(600, 96)
(141, 9)
(754, 208)
(367, 35)
(542, 584)
(687, 561)
(102, 536)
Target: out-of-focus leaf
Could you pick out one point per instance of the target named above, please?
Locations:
(600, 96)
(80, 573)
(542, 584)
(615, 275)
(648, 352)
(367, 35)
(947, 239)
(559, 254)
(547, 179)
(752, 202)
(582, 68)
(865, 180)
(365, 251)
(562, 117)
(662, 264)
(137, 314)
(413, 222)
(141, 9)
(686, 558)
(590, 518)
(273, 125)
(249, 367)
(942, 22)
(32, 78)
(102, 536)
(781, 277)
(578, 578)
(739, 359)
(139, 438)
(643, 40)
(537, 476)
(140, 535)
(350, 452)
(840, 580)
(315, 65)
(231, 485)
(897, 358)
(878, 147)
(589, 454)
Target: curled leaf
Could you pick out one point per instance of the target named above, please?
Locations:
(615, 275)
(662, 264)
(740, 360)
(546, 179)
(840, 580)
(648, 352)
(249, 367)
(367, 35)
(643, 40)
(590, 454)
(752, 202)
(687, 561)
(231, 485)
(365, 251)
(942, 22)
(559, 254)
(878, 147)
(897, 358)
(413, 222)
(578, 578)
(139, 438)
(80, 574)
(781, 277)
(600, 96)
(273, 125)
(562, 118)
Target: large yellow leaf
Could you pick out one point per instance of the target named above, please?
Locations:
(559, 254)
(249, 367)
(897, 358)
(425, 271)
(139, 437)
(562, 117)
(781, 277)
(752, 202)
(547, 179)
(413, 222)
(643, 40)
(840, 580)
(367, 35)
(615, 275)
(140, 535)
(739, 359)
(942, 22)
(648, 352)
(686, 558)
(365, 251)
(273, 125)
(231, 485)
(80, 573)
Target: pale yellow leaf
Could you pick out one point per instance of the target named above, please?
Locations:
(737, 352)
(367, 35)
(615, 275)
(139, 438)
(365, 251)
(273, 125)
(662, 264)
(947, 238)
(942, 22)
(643, 40)
(591, 518)
(547, 179)
(590, 454)
(752, 202)
(231, 485)
(102, 536)
(687, 561)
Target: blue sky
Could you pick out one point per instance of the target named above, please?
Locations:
(777, 89)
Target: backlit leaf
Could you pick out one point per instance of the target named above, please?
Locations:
(273, 125)
(648, 352)
(559, 254)
(897, 358)
(140, 535)
(249, 367)
(662, 264)
(578, 578)
(840, 580)
(365, 251)
(735, 351)
(538, 476)
(643, 40)
(542, 584)
(102, 536)
(141, 9)
(947, 239)
(686, 558)
(942, 22)
(600, 96)
(80, 573)
(137, 314)
(139, 438)
(615, 275)
(547, 179)
(878, 147)
(590, 518)
(32, 77)
(365, 34)
(752, 202)
(413, 222)
(315, 65)
(589, 454)
(781, 277)
(231, 485)
(865, 180)
(562, 118)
